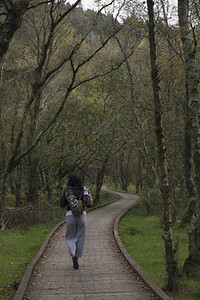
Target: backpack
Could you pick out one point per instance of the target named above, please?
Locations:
(78, 210)
(87, 197)
(75, 204)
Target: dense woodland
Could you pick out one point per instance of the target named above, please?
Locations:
(86, 91)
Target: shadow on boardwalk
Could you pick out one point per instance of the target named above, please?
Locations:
(101, 276)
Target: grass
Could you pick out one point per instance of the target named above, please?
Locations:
(106, 198)
(19, 246)
(141, 235)
(131, 188)
(16, 250)
(135, 236)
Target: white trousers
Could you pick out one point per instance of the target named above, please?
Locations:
(75, 234)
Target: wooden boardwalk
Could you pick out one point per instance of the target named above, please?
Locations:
(101, 275)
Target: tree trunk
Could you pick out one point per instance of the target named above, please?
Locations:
(32, 177)
(2, 197)
(191, 193)
(99, 181)
(138, 175)
(13, 20)
(171, 263)
(147, 201)
(189, 48)
(123, 172)
(2, 168)
(18, 192)
(191, 201)
(32, 159)
(47, 183)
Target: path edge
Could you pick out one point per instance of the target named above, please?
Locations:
(144, 277)
(19, 295)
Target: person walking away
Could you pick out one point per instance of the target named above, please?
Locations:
(74, 195)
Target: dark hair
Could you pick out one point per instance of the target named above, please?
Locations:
(75, 181)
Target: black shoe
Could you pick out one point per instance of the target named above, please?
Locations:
(75, 262)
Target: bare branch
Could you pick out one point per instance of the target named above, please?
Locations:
(39, 4)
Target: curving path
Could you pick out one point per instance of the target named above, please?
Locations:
(101, 276)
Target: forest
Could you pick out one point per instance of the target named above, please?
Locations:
(111, 93)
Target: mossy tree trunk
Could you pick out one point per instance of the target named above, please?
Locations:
(14, 12)
(171, 263)
(192, 78)
(191, 192)
(32, 157)
(2, 201)
(99, 180)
